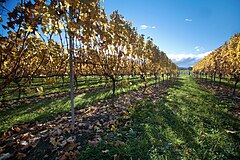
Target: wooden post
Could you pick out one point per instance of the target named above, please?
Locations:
(71, 43)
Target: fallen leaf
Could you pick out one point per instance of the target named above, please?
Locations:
(57, 132)
(98, 123)
(44, 131)
(23, 143)
(63, 157)
(20, 155)
(105, 151)
(54, 141)
(232, 132)
(25, 126)
(32, 129)
(26, 136)
(96, 128)
(70, 140)
(90, 127)
(118, 143)
(16, 129)
(46, 156)
(5, 135)
(70, 146)
(116, 157)
(5, 156)
(93, 143)
(113, 128)
(1, 149)
(63, 143)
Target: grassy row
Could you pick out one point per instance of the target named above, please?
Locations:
(49, 108)
(225, 81)
(187, 123)
(49, 88)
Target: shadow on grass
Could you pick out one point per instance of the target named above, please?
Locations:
(47, 109)
(31, 112)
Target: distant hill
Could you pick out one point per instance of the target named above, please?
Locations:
(185, 68)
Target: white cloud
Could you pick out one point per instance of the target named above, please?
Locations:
(198, 48)
(180, 57)
(188, 20)
(187, 60)
(202, 55)
(145, 27)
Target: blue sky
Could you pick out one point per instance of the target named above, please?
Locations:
(184, 29)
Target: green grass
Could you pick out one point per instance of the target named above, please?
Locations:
(227, 81)
(187, 123)
(84, 82)
(49, 108)
(49, 88)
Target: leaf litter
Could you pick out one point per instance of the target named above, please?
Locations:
(57, 139)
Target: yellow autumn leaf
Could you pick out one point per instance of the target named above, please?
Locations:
(67, 4)
(29, 29)
(60, 24)
(113, 128)
(37, 35)
(40, 89)
(55, 32)
(51, 59)
(54, 142)
(48, 15)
